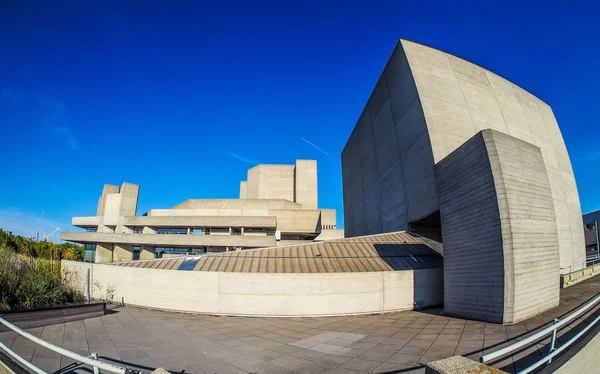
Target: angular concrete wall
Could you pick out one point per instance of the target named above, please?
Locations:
(107, 189)
(261, 294)
(129, 199)
(387, 164)
(426, 104)
(243, 186)
(500, 238)
(473, 253)
(305, 184)
(271, 182)
(460, 98)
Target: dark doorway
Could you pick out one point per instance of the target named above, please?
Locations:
(429, 227)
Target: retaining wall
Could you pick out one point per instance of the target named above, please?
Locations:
(260, 294)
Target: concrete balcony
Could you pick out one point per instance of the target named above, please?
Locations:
(201, 221)
(85, 222)
(170, 240)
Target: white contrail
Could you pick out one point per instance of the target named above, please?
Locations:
(316, 147)
(242, 158)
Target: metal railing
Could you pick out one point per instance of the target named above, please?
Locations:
(92, 360)
(584, 265)
(552, 352)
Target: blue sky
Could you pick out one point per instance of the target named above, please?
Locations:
(183, 97)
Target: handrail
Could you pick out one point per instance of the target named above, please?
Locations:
(23, 361)
(584, 265)
(558, 350)
(75, 356)
(535, 337)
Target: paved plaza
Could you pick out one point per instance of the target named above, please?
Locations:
(387, 343)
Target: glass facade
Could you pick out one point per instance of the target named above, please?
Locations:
(90, 253)
(171, 231)
(170, 250)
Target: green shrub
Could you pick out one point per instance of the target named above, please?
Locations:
(33, 284)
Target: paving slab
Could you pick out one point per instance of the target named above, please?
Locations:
(405, 341)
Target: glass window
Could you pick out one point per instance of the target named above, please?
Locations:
(136, 252)
(91, 229)
(90, 253)
(137, 230)
(170, 250)
(171, 231)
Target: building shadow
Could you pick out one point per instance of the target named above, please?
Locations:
(426, 265)
(80, 368)
(407, 256)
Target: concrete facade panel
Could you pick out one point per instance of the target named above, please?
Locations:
(170, 240)
(243, 187)
(473, 273)
(271, 182)
(129, 198)
(305, 179)
(108, 189)
(201, 221)
(500, 237)
(260, 294)
(112, 210)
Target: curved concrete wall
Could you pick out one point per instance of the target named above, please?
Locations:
(425, 105)
(261, 294)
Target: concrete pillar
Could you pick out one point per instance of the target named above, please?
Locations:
(148, 230)
(147, 252)
(230, 231)
(103, 253)
(242, 231)
(122, 252)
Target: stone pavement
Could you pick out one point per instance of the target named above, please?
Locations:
(387, 343)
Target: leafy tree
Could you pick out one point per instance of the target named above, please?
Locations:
(41, 249)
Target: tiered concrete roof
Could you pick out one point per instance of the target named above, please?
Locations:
(386, 252)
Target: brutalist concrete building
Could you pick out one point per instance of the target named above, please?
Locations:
(278, 205)
(449, 150)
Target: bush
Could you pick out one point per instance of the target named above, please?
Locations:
(41, 249)
(30, 285)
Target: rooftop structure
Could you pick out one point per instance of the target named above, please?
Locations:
(277, 206)
(385, 252)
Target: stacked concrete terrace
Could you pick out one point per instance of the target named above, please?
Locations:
(277, 206)
(454, 152)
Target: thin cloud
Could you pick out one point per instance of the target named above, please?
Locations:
(316, 147)
(588, 157)
(70, 139)
(241, 158)
(10, 95)
(26, 224)
(50, 111)
(54, 113)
